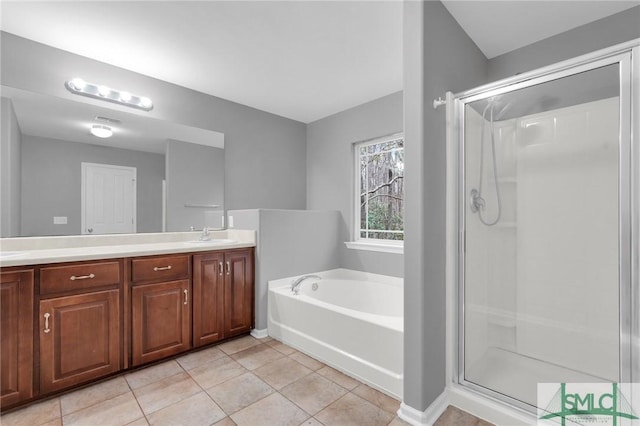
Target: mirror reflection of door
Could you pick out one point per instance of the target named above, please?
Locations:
(108, 199)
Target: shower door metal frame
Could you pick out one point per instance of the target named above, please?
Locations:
(627, 56)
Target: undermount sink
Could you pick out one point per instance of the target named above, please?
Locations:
(212, 241)
(10, 254)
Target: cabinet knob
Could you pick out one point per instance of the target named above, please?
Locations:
(186, 296)
(220, 268)
(161, 268)
(228, 268)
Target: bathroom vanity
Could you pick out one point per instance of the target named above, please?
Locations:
(100, 305)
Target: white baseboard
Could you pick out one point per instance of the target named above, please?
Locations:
(427, 417)
(260, 334)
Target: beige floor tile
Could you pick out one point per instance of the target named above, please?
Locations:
(140, 422)
(239, 392)
(165, 392)
(198, 409)
(36, 414)
(311, 422)
(95, 394)
(54, 422)
(121, 410)
(377, 398)
(281, 347)
(312, 393)
(338, 377)
(256, 356)
(152, 374)
(238, 345)
(398, 422)
(307, 361)
(216, 372)
(453, 416)
(266, 339)
(281, 372)
(196, 359)
(274, 410)
(352, 410)
(226, 422)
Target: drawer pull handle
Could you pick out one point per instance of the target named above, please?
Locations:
(228, 268)
(82, 277)
(186, 296)
(46, 322)
(161, 268)
(221, 268)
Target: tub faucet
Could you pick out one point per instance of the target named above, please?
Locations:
(295, 285)
(205, 234)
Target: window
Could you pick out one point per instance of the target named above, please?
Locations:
(379, 189)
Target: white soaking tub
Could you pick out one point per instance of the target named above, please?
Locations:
(352, 321)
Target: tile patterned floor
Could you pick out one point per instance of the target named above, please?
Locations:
(242, 382)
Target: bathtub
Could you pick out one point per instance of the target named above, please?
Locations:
(352, 321)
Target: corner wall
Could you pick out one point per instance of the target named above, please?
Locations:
(330, 173)
(605, 32)
(10, 155)
(438, 56)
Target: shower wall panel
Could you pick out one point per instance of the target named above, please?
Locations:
(567, 285)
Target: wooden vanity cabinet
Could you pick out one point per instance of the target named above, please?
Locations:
(223, 295)
(208, 301)
(16, 334)
(80, 323)
(238, 292)
(160, 307)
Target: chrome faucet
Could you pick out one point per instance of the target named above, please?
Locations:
(295, 285)
(205, 234)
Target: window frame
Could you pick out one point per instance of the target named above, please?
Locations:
(358, 242)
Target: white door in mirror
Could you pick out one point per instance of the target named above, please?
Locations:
(108, 199)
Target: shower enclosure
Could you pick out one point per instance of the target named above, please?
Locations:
(547, 223)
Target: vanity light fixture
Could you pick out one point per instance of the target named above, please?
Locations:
(99, 91)
(101, 131)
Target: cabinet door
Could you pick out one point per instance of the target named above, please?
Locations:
(238, 292)
(208, 298)
(161, 323)
(16, 333)
(80, 338)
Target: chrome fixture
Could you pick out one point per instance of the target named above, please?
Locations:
(100, 131)
(205, 234)
(295, 285)
(80, 87)
(477, 203)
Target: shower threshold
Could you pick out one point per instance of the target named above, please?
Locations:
(517, 376)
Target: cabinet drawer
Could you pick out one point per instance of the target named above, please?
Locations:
(161, 268)
(56, 279)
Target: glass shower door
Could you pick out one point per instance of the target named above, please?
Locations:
(541, 196)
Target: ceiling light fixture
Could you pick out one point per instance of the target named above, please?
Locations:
(98, 91)
(101, 131)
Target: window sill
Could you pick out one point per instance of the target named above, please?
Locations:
(397, 248)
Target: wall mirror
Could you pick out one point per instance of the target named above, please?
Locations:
(159, 175)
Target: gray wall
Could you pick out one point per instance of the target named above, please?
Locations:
(262, 150)
(330, 173)
(51, 180)
(614, 29)
(10, 154)
(195, 175)
(438, 56)
(290, 242)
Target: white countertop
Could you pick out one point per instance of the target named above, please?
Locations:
(41, 250)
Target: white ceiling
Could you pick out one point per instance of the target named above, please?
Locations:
(299, 59)
(499, 27)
